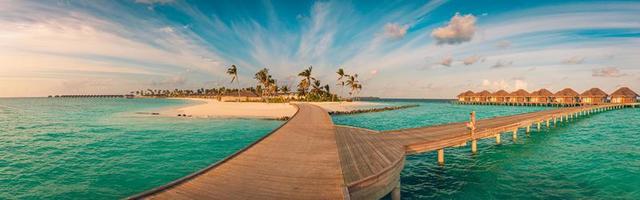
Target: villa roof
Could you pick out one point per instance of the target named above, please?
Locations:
(567, 92)
(624, 92)
(594, 92)
(484, 93)
(500, 93)
(542, 93)
(466, 94)
(520, 92)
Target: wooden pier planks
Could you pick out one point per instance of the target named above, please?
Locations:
(298, 161)
(310, 158)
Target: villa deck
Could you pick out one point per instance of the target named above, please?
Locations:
(310, 158)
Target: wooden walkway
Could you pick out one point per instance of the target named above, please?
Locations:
(310, 158)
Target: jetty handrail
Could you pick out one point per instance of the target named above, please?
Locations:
(210, 167)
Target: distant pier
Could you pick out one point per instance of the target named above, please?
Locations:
(129, 96)
(309, 157)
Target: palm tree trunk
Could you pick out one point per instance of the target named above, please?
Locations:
(238, 83)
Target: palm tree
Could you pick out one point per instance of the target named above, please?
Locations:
(306, 74)
(233, 72)
(341, 75)
(284, 89)
(317, 88)
(328, 91)
(263, 78)
(353, 83)
(302, 87)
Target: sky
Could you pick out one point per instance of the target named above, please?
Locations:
(407, 49)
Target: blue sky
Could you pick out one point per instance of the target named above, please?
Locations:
(419, 49)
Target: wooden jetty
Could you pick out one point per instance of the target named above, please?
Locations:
(309, 157)
(92, 96)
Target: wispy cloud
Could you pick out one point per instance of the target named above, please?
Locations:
(607, 72)
(124, 42)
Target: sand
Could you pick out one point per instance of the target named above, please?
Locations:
(210, 108)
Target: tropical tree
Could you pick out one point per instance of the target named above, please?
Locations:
(317, 88)
(341, 76)
(264, 79)
(285, 89)
(306, 81)
(302, 87)
(353, 83)
(233, 72)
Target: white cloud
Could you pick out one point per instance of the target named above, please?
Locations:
(395, 30)
(607, 72)
(460, 29)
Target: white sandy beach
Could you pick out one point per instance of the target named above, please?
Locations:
(213, 108)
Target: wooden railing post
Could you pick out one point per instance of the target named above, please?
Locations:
(441, 156)
(472, 129)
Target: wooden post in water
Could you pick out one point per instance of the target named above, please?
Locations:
(538, 126)
(472, 130)
(441, 156)
(527, 130)
(498, 138)
(395, 193)
(515, 134)
(548, 123)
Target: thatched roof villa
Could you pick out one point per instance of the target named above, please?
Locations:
(518, 96)
(498, 96)
(540, 96)
(593, 96)
(466, 96)
(482, 96)
(566, 95)
(624, 95)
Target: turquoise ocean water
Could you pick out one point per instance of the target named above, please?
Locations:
(101, 149)
(595, 157)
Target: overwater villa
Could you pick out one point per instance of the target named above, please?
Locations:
(466, 96)
(624, 95)
(544, 97)
(566, 96)
(498, 96)
(541, 96)
(518, 96)
(593, 96)
(482, 96)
